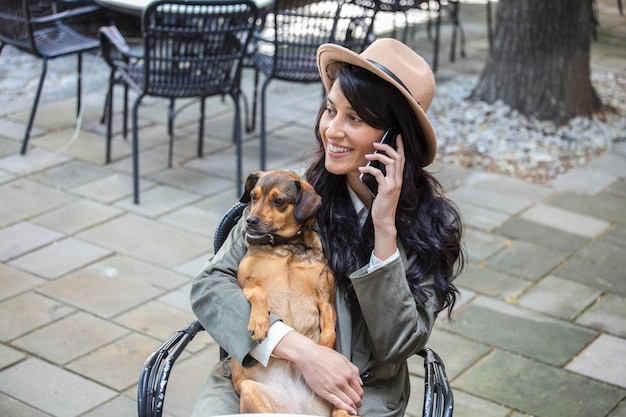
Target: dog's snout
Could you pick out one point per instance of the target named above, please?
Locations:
(253, 221)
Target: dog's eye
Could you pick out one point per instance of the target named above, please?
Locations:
(279, 202)
(252, 198)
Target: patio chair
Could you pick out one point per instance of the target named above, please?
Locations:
(191, 49)
(286, 47)
(443, 10)
(155, 373)
(43, 33)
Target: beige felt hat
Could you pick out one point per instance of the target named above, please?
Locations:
(395, 62)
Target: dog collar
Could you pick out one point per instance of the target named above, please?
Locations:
(274, 239)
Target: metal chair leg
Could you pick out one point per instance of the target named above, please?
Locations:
(33, 111)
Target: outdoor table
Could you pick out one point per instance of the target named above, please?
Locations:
(135, 7)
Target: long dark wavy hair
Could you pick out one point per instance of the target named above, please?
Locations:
(429, 225)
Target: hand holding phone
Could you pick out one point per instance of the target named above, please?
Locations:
(389, 137)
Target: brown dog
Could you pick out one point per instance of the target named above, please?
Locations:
(284, 272)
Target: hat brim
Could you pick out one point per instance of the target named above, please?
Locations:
(329, 53)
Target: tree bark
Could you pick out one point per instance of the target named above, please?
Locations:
(540, 60)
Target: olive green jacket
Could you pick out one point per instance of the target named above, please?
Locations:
(392, 327)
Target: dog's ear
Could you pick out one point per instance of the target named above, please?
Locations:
(250, 184)
(307, 201)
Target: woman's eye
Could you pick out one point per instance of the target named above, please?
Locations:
(330, 111)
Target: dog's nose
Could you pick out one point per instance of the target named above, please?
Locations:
(252, 221)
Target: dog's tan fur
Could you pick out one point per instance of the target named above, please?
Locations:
(292, 281)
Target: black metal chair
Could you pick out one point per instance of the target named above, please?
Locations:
(445, 11)
(43, 33)
(155, 373)
(294, 29)
(191, 49)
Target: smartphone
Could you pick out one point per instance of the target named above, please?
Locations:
(389, 137)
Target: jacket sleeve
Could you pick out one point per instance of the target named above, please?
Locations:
(398, 324)
(218, 301)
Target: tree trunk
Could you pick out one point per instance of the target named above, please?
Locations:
(539, 63)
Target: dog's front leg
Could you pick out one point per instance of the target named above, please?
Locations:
(259, 323)
(328, 316)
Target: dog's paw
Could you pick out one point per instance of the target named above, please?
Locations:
(258, 329)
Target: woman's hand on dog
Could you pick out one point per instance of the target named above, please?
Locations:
(330, 374)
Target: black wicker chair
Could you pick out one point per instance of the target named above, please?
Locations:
(294, 29)
(155, 374)
(445, 11)
(41, 30)
(191, 49)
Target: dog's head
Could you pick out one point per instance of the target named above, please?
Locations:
(281, 203)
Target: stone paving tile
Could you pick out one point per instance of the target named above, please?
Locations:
(526, 260)
(193, 266)
(604, 254)
(9, 356)
(617, 189)
(17, 321)
(558, 297)
(509, 186)
(583, 180)
(13, 281)
(603, 360)
(481, 246)
(60, 258)
(609, 314)
(158, 200)
(155, 319)
(193, 219)
(537, 389)
(12, 129)
(110, 188)
(52, 389)
(84, 146)
(11, 407)
(118, 406)
(467, 405)
(567, 221)
(112, 286)
(579, 269)
(620, 411)
(35, 160)
(118, 364)
(492, 283)
(606, 207)
(553, 341)
(77, 216)
(529, 231)
(191, 181)
(5, 176)
(70, 175)
(69, 338)
(23, 199)
(457, 352)
(128, 235)
(23, 237)
(493, 200)
(611, 162)
(481, 217)
(615, 236)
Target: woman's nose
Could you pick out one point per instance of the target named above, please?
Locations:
(335, 128)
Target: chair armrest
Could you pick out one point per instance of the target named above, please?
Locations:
(438, 397)
(115, 49)
(156, 371)
(66, 14)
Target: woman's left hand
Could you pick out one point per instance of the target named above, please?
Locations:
(384, 207)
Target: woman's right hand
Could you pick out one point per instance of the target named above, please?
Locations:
(330, 374)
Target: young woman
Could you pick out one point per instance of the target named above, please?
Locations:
(394, 254)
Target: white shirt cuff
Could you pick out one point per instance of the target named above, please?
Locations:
(376, 263)
(263, 350)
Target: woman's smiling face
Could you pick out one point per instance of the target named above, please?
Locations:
(346, 137)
